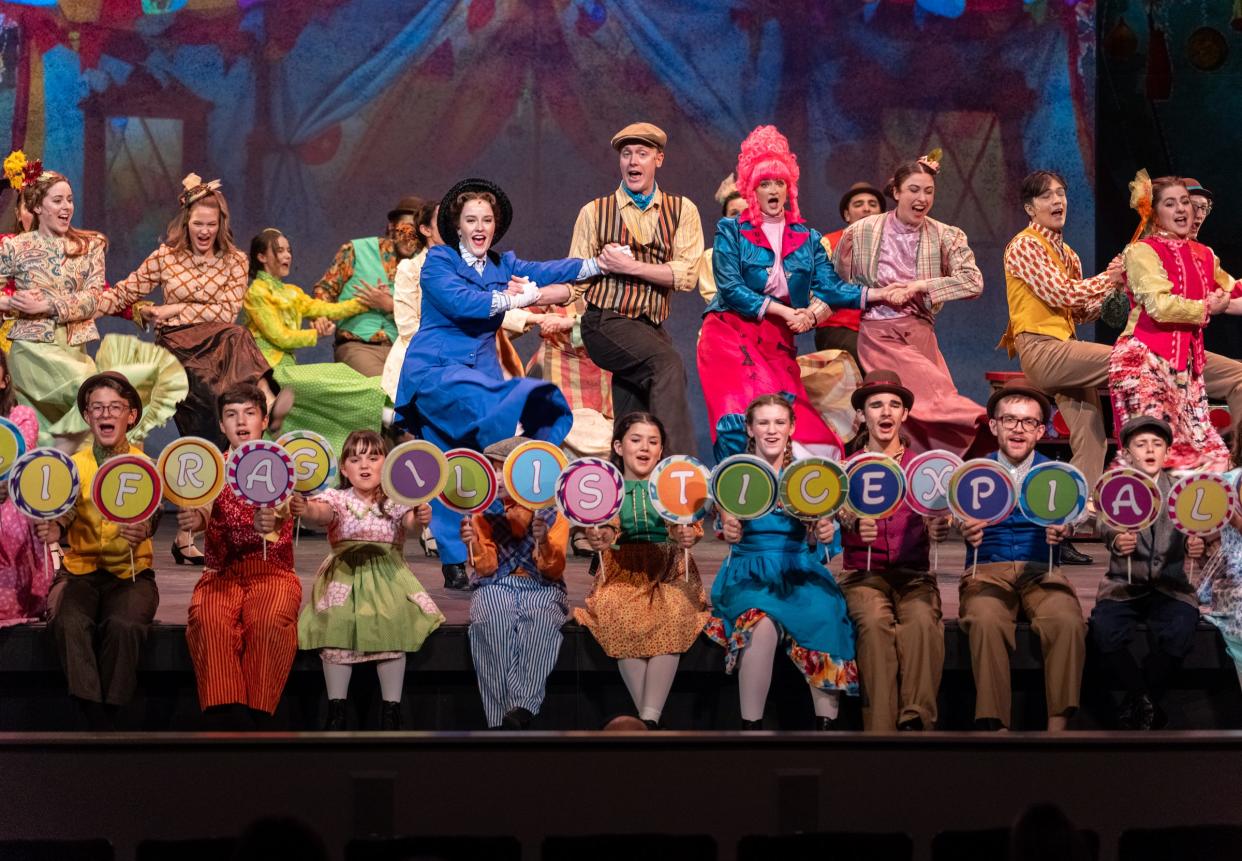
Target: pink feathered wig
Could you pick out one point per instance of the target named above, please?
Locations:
(765, 155)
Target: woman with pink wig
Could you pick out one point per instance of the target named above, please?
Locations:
(773, 281)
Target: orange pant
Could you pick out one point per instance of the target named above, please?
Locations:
(242, 633)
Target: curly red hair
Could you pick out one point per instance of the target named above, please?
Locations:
(765, 154)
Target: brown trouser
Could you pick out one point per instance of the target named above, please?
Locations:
(990, 600)
(366, 359)
(99, 623)
(900, 644)
(1073, 372)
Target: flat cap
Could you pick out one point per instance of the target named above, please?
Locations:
(500, 450)
(641, 132)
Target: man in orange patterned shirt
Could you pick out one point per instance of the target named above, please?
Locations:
(1048, 297)
(368, 268)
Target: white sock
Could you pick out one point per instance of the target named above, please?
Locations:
(634, 674)
(387, 416)
(827, 703)
(336, 679)
(754, 674)
(391, 678)
(661, 670)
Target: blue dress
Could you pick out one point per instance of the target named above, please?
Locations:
(773, 572)
(451, 391)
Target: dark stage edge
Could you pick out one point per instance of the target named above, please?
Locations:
(585, 689)
(527, 787)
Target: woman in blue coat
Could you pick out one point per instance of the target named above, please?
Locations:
(451, 391)
(774, 281)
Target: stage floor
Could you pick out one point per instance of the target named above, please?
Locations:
(176, 582)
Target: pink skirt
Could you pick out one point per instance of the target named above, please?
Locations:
(941, 418)
(741, 359)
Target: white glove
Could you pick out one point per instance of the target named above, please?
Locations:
(529, 296)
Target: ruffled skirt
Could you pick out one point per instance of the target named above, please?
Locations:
(47, 376)
(643, 604)
(1142, 383)
(798, 594)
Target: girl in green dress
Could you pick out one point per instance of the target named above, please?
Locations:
(366, 604)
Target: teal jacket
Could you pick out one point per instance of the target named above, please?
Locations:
(742, 259)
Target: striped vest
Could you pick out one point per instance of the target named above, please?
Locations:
(627, 296)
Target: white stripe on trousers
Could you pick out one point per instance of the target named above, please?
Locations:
(515, 637)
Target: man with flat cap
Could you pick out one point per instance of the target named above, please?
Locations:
(839, 331)
(368, 267)
(650, 242)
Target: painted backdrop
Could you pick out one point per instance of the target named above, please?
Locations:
(319, 115)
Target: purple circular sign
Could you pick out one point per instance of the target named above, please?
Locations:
(261, 473)
(1127, 499)
(414, 473)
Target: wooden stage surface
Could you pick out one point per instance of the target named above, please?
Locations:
(177, 582)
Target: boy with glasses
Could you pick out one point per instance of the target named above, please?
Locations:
(1013, 574)
(102, 603)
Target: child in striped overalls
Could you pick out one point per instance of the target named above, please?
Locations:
(519, 603)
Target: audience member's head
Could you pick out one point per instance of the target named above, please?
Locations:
(279, 838)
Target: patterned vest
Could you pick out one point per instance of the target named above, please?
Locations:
(368, 268)
(627, 296)
(1029, 313)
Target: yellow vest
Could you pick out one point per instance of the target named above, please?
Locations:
(1029, 313)
(95, 544)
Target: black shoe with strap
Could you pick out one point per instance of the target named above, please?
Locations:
(187, 554)
(826, 724)
(748, 725)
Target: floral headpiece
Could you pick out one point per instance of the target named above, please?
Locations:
(194, 189)
(766, 155)
(931, 161)
(1140, 201)
(728, 188)
(20, 172)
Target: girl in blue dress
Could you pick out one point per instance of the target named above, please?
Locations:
(451, 391)
(773, 588)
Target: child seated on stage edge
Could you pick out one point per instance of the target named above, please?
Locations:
(366, 604)
(104, 599)
(242, 625)
(1146, 582)
(519, 603)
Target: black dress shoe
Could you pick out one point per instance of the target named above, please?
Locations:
(1071, 556)
(752, 724)
(455, 576)
(652, 724)
(914, 724)
(826, 724)
(988, 725)
(336, 716)
(518, 718)
(390, 716)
